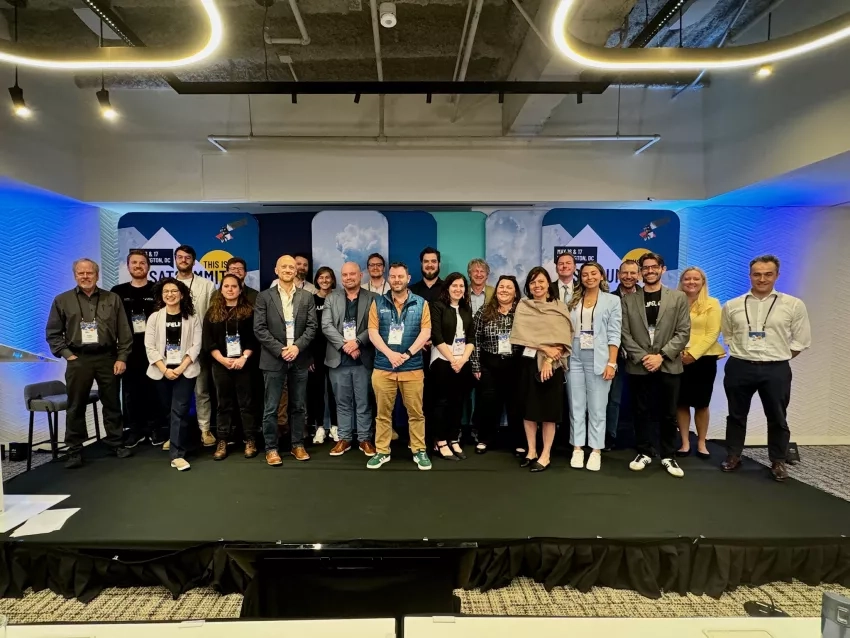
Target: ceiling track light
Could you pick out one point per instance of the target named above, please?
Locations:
(691, 59)
(129, 57)
(19, 107)
(106, 109)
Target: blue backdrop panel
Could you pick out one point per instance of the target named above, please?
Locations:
(283, 234)
(513, 242)
(409, 232)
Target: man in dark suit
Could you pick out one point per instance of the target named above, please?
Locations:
(656, 329)
(349, 358)
(285, 323)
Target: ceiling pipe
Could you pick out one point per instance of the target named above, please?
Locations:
(512, 141)
(462, 39)
(773, 6)
(304, 40)
(533, 26)
(720, 45)
(467, 54)
(376, 36)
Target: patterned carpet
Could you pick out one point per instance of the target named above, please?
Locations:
(827, 468)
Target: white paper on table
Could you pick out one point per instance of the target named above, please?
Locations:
(46, 522)
(21, 507)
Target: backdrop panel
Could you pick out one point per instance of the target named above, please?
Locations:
(216, 237)
(460, 237)
(340, 236)
(609, 237)
(283, 234)
(409, 232)
(513, 239)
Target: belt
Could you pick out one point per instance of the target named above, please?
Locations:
(91, 349)
(761, 363)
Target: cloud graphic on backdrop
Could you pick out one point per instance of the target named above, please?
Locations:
(341, 236)
(513, 242)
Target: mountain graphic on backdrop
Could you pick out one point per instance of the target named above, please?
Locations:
(129, 238)
(607, 258)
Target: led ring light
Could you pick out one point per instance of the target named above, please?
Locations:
(691, 59)
(129, 57)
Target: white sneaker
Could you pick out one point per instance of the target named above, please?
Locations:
(180, 464)
(319, 437)
(335, 433)
(640, 462)
(166, 446)
(577, 461)
(672, 468)
(594, 461)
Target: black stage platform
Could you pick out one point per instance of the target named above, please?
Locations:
(142, 522)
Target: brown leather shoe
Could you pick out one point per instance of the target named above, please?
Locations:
(340, 448)
(220, 450)
(300, 454)
(779, 471)
(250, 449)
(731, 463)
(273, 458)
(368, 448)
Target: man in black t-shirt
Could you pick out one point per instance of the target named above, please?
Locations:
(138, 395)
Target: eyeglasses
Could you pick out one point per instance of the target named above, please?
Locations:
(649, 268)
(376, 264)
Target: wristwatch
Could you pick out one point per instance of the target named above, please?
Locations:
(612, 365)
(408, 353)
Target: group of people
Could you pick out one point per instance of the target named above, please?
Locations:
(558, 356)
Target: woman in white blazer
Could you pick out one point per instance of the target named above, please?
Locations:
(598, 318)
(173, 343)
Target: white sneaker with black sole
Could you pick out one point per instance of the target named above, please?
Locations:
(672, 468)
(640, 462)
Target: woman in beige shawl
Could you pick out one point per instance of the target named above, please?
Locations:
(542, 324)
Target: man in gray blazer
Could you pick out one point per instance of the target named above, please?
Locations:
(350, 356)
(656, 328)
(285, 323)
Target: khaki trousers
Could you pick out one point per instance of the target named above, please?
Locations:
(386, 389)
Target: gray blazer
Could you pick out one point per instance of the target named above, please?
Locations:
(270, 329)
(672, 331)
(333, 317)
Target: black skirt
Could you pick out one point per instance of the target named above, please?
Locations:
(540, 401)
(698, 382)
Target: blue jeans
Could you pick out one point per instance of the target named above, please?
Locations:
(615, 396)
(175, 398)
(588, 394)
(295, 379)
(351, 389)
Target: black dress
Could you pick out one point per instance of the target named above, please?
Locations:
(698, 382)
(542, 401)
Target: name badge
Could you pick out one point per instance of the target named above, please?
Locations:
(290, 331)
(529, 352)
(172, 354)
(396, 333)
(504, 341)
(349, 332)
(585, 339)
(89, 330)
(756, 340)
(652, 335)
(458, 346)
(234, 346)
(139, 323)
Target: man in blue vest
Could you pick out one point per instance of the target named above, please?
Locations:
(399, 327)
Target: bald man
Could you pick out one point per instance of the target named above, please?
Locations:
(285, 323)
(349, 358)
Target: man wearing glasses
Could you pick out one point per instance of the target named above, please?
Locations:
(656, 329)
(376, 282)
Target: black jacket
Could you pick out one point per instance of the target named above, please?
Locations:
(444, 324)
(214, 335)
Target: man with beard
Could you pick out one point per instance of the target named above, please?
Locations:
(138, 392)
(302, 274)
(202, 290)
(430, 285)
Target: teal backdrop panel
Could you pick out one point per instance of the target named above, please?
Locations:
(460, 237)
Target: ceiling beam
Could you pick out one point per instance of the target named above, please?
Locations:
(388, 88)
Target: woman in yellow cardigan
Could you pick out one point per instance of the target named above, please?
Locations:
(700, 359)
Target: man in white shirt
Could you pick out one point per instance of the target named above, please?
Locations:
(764, 330)
(202, 290)
(302, 274)
(566, 266)
(376, 283)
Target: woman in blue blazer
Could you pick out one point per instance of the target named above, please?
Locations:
(597, 317)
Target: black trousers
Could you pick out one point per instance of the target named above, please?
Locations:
(656, 392)
(230, 384)
(139, 398)
(317, 382)
(772, 381)
(80, 375)
(497, 394)
(449, 390)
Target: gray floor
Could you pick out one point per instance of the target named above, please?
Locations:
(827, 468)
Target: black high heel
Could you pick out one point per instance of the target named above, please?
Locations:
(438, 454)
(526, 462)
(460, 455)
(703, 455)
(537, 467)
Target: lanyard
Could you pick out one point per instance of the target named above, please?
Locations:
(747, 314)
(96, 307)
(592, 313)
(227, 317)
(383, 289)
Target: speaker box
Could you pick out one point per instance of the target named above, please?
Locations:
(18, 451)
(835, 616)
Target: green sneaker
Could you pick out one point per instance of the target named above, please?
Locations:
(377, 461)
(422, 461)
